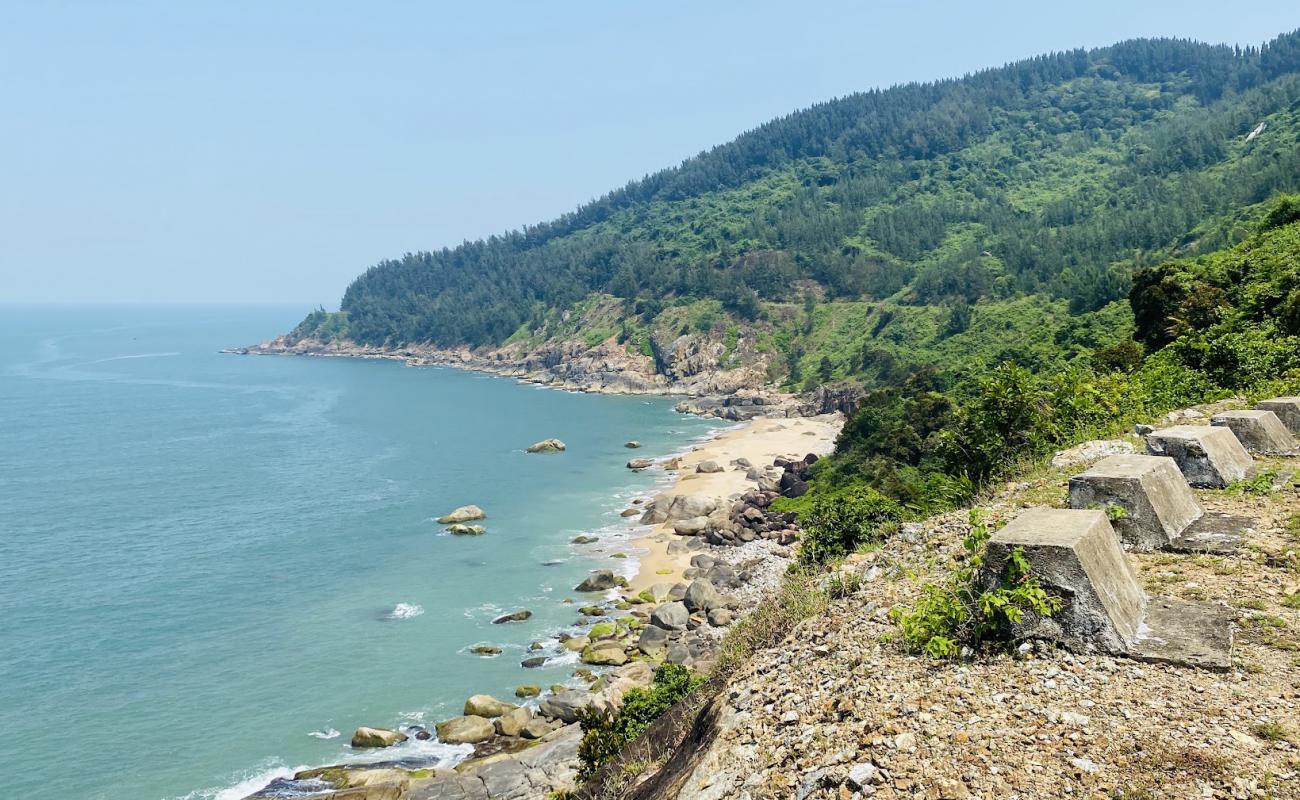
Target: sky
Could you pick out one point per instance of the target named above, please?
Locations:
(234, 151)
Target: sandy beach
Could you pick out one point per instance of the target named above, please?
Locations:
(760, 441)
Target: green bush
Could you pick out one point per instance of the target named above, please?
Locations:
(606, 733)
(961, 613)
(835, 526)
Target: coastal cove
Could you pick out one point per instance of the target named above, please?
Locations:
(215, 568)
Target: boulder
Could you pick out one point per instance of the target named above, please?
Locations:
(673, 507)
(465, 730)
(720, 617)
(708, 467)
(584, 539)
(485, 705)
(463, 514)
(638, 464)
(1209, 457)
(564, 705)
(1088, 452)
(514, 616)
(547, 446)
(632, 445)
(1287, 410)
(460, 529)
(629, 512)
(1156, 504)
(537, 728)
(691, 527)
(527, 690)
(513, 722)
(1258, 431)
(671, 616)
(608, 653)
(701, 596)
(485, 650)
(376, 737)
(533, 663)
(653, 640)
(598, 581)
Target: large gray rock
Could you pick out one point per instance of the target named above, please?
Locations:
(1209, 457)
(673, 507)
(376, 737)
(513, 722)
(485, 705)
(708, 467)
(565, 705)
(1156, 504)
(691, 527)
(607, 653)
(701, 596)
(1287, 410)
(1075, 555)
(671, 616)
(598, 581)
(638, 464)
(653, 640)
(463, 514)
(465, 730)
(547, 446)
(1258, 431)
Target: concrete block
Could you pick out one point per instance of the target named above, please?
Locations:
(1258, 431)
(1287, 410)
(1157, 505)
(1209, 457)
(1076, 555)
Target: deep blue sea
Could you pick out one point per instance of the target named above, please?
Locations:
(214, 567)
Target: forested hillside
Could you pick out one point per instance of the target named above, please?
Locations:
(1050, 178)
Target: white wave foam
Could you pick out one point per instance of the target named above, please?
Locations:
(137, 355)
(328, 733)
(405, 611)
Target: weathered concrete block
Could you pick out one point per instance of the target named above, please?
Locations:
(1258, 431)
(1076, 555)
(1209, 457)
(1157, 505)
(1287, 410)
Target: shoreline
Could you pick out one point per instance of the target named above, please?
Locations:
(759, 441)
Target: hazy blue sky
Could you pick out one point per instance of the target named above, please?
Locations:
(270, 151)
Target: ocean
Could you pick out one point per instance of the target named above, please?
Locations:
(213, 568)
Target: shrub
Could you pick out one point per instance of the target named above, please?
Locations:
(959, 612)
(606, 733)
(836, 525)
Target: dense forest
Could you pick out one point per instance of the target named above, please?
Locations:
(1053, 177)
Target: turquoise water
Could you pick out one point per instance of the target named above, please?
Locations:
(210, 564)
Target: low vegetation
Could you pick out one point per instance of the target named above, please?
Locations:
(606, 733)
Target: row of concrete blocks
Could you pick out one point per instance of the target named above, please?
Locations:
(1077, 554)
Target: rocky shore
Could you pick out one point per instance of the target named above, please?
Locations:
(712, 553)
(691, 365)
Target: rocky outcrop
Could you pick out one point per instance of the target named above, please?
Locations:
(468, 729)
(463, 514)
(548, 446)
(376, 737)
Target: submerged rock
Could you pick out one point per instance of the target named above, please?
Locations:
(638, 464)
(466, 530)
(514, 616)
(485, 650)
(376, 737)
(632, 445)
(547, 446)
(463, 514)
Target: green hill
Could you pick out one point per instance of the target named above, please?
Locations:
(929, 209)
